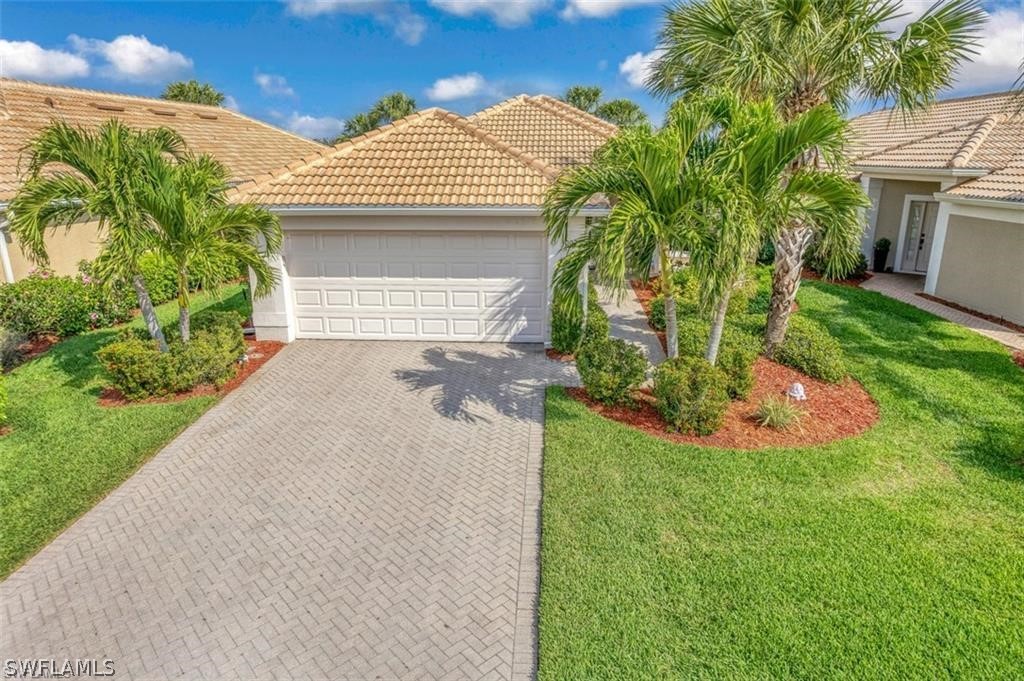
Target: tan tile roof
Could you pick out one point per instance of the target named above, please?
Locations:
(887, 129)
(985, 132)
(247, 146)
(431, 158)
(547, 128)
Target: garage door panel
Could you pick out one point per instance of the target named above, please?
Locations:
(460, 286)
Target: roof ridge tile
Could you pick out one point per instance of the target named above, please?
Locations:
(975, 140)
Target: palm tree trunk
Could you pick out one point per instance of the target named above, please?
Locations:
(668, 290)
(717, 327)
(184, 325)
(789, 258)
(148, 312)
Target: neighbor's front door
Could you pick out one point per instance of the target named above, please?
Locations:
(920, 230)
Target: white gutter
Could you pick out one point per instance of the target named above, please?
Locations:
(883, 171)
(424, 211)
(987, 203)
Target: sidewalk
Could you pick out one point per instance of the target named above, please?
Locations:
(628, 321)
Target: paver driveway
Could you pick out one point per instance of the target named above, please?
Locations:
(355, 510)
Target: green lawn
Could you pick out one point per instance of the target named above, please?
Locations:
(66, 452)
(897, 554)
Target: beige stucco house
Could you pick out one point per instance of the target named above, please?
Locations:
(247, 146)
(947, 189)
(429, 228)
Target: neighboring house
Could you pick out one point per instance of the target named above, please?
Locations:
(246, 146)
(427, 228)
(947, 189)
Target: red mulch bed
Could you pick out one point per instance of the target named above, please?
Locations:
(851, 281)
(559, 356)
(5, 430)
(987, 317)
(259, 353)
(36, 346)
(832, 412)
(1018, 358)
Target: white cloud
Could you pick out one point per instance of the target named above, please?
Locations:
(406, 24)
(597, 9)
(231, 103)
(314, 127)
(504, 12)
(24, 59)
(999, 54)
(637, 67)
(272, 85)
(456, 87)
(133, 57)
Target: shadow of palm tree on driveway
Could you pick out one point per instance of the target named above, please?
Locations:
(509, 380)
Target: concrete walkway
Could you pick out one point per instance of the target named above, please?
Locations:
(905, 287)
(355, 510)
(628, 321)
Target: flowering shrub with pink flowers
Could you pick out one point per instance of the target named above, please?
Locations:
(44, 303)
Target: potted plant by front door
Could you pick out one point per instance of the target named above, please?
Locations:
(881, 254)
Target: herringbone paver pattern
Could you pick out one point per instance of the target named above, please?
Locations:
(356, 510)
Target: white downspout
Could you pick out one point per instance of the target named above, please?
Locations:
(931, 278)
(5, 257)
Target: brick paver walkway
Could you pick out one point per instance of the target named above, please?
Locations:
(356, 510)
(905, 287)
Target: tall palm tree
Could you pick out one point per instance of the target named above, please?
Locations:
(755, 152)
(385, 110)
(590, 98)
(661, 191)
(802, 53)
(583, 97)
(621, 112)
(193, 226)
(75, 175)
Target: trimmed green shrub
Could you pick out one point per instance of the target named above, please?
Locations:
(43, 303)
(737, 352)
(139, 370)
(610, 368)
(691, 395)
(777, 413)
(3, 400)
(811, 349)
(160, 277)
(10, 347)
(566, 333)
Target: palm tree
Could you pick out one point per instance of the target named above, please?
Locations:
(193, 91)
(589, 98)
(387, 109)
(75, 175)
(755, 152)
(802, 53)
(583, 97)
(661, 191)
(194, 227)
(621, 112)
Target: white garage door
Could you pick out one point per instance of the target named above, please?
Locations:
(459, 285)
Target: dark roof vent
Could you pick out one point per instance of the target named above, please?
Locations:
(103, 106)
(49, 102)
(207, 116)
(163, 112)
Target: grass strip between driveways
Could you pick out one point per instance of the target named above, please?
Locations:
(65, 452)
(898, 554)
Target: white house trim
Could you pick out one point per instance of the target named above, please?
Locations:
(995, 204)
(931, 277)
(872, 186)
(897, 265)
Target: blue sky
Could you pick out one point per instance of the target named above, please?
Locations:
(308, 64)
